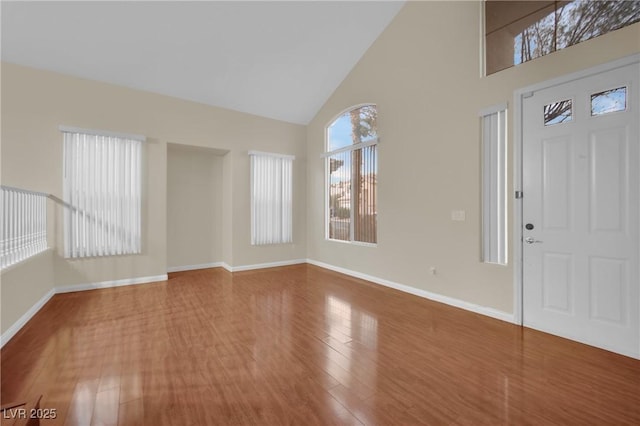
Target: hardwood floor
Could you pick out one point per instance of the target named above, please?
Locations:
(306, 346)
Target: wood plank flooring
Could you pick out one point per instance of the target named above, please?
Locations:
(301, 345)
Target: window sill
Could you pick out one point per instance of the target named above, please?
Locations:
(352, 243)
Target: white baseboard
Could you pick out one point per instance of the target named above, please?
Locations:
(108, 284)
(493, 313)
(7, 335)
(263, 265)
(194, 267)
(13, 330)
(490, 312)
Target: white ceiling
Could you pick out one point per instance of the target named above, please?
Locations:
(279, 60)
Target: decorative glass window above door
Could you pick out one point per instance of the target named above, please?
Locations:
(519, 31)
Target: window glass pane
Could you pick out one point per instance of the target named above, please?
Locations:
(494, 187)
(504, 22)
(352, 127)
(558, 112)
(352, 176)
(339, 133)
(271, 199)
(613, 100)
(518, 31)
(103, 192)
(340, 196)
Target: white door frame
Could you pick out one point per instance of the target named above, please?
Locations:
(518, 98)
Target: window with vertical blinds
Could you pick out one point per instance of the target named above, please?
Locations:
(352, 176)
(102, 194)
(271, 198)
(494, 185)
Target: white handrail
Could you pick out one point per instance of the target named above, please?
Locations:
(25, 191)
(23, 224)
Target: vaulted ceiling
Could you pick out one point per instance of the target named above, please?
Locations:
(279, 60)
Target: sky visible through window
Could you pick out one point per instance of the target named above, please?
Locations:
(352, 165)
(605, 102)
(340, 135)
(613, 100)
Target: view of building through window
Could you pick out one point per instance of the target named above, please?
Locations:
(518, 32)
(352, 168)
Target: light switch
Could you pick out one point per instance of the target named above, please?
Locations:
(458, 215)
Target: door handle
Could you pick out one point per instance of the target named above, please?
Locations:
(531, 240)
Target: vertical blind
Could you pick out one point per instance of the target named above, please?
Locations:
(352, 175)
(364, 194)
(353, 180)
(271, 198)
(23, 225)
(102, 193)
(494, 185)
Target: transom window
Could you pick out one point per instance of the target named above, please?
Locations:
(352, 176)
(519, 31)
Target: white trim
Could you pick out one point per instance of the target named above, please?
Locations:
(483, 310)
(493, 109)
(618, 63)
(326, 185)
(24, 191)
(263, 265)
(517, 207)
(518, 97)
(107, 133)
(347, 109)
(17, 326)
(335, 117)
(352, 243)
(195, 267)
(272, 154)
(327, 179)
(482, 59)
(495, 247)
(109, 284)
(353, 147)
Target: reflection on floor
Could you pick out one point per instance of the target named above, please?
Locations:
(302, 345)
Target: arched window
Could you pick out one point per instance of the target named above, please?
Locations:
(352, 175)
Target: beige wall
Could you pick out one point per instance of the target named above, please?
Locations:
(194, 206)
(23, 285)
(35, 103)
(423, 72)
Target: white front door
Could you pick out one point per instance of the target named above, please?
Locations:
(580, 210)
